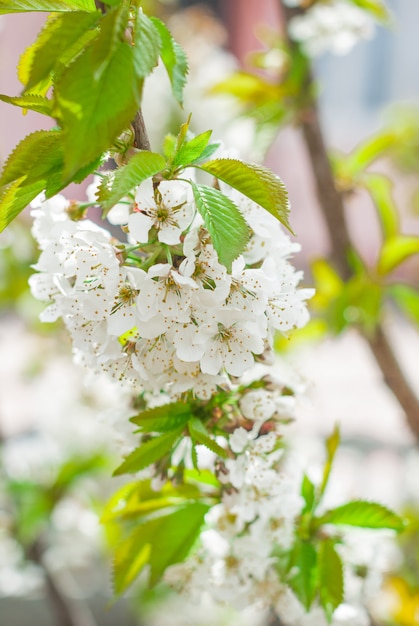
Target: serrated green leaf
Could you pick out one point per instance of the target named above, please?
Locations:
(254, 181)
(330, 572)
(31, 102)
(146, 40)
(223, 220)
(407, 298)
(332, 444)
(395, 251)
(162, 541)
(24, 176)
(380, 187)
(308, 491)
(362, 514)
(163, 418)
(200, 434)
(97, 96)
(174, 59)
(20, 6)
(304, 580)
(149, 452)
(191, 150)
(62, 38)
(119, 183)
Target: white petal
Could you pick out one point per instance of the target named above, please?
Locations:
(139, 226)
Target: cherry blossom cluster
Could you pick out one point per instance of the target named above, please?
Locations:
(334, 26)
(159, 310)
(236, 564)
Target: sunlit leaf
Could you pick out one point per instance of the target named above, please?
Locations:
(174, 59)
(308, 491)
(147, 45)
(163, 418)
(330, 571)
(377, 8)
(332, 444)
(119, 183)
(24, 176)
(380, 187)
(305, 578)
(149, 452)
(395, 251)
(407, 298)
(223, 220)
(97, 96)
(254, 181)
(30, 102)
(19, 6)
(200, 434)
(362, 514)
(191, 150)
(62, 37)
(159, 542)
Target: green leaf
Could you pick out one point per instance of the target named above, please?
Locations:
(304, 580)
(395, 251)
(160, 542)
(254, 181)
(380, 187)
(308, 491)
(407, 298)
(24, 176)
(97, 96)
(190, 151)
(223, 220)
(377, 8)
(61, 39)
(19, 6)
(147, 45)
(332, 444)
(206, 153)
(139, 500)
(31, 102)
(119, 183)
(174, 59)
(330, 572)
(163, 418)
(362, 514)
(76, 468)
(149, 452)
(368, 152)
(200, 434)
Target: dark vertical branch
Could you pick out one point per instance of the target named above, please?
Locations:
(141, 140)
(332, 207)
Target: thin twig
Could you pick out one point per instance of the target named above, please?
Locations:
(332, 206)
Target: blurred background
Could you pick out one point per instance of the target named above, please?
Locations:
(55, 468)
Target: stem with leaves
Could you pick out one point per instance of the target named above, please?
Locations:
(332, 206)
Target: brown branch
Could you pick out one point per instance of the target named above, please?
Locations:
(67, 612)
(141, 140)
(332, 206)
